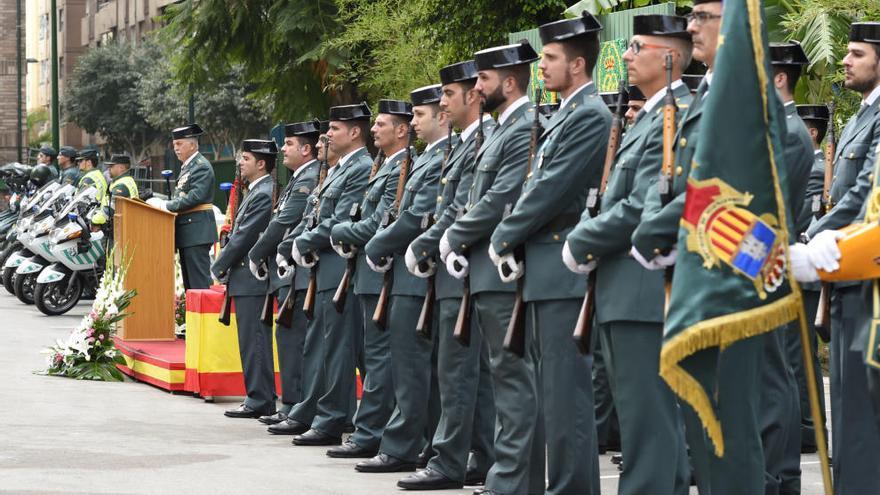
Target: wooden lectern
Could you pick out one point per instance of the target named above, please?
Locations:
(146, 236)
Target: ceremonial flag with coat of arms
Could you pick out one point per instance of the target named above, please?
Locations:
(731, 277)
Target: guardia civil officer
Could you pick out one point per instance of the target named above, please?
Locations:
(247, 291)
(90, 174)
(67, 163)
(300, 153)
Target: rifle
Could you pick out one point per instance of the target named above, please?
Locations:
(583, 329)
(285, 312)
(665, 184)
(515, 338)
(231, 213)
(355, 216)
(266, 314)
(821, 206)
(426, 315)
(380, 315)
(462, 331)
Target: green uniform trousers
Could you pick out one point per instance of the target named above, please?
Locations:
(467, 419)
(195, 266)
(856, 439)
(413, 372)
(780, 412)
(651, 429)
(290, 341)
(377, 400)
(339, 357)
(566, 392)
(313, 366)
(607, 424)
(519, 427)
(255, 349)
(796, 360)
(733, 380)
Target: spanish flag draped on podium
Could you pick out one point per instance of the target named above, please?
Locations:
(731, 277)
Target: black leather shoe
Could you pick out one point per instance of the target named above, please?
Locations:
(288, 427)
(808, 449)
(315, 437)
(242, 411)
(384, 463)
(428, 479)
(273, 419)
(485, 491)
(350, 450)
(474, 478)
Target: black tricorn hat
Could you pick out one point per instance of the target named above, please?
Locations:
(87, 154)
(499, 57)
(458, 72)
(309, 128)
(671, 26)
(396, 107)
(119, 160)
(548, 109)
(569, 28)
(260, 146)
(814, 112)
(187, 131)
(634, 93)
(788, 53)
(693, 81)
(868, 32)
(426, 95)
(610, 98)
(325, 126)
(361, 111)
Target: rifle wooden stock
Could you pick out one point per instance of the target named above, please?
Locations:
(285, 311)
(426, 315)
(669, 129)
(226, 308)
(380, 315)
(823, 311)
(266, 315)
(583, 328)
(311, 293)
(462, 331)
(339, 296)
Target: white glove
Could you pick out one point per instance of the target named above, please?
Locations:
(508, 268)
(283, 267)
(572, 264)
(384, 267)
(659, 262)
(346, 251)
(493, 256)
(823, 252)
(457, 265)
(300, 260)
(801, 268)
(255, 270)
(413, 265)
(445, 247)
(157, 203)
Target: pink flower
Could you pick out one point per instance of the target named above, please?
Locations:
(92, 314)
(91, 332)
(101, 337)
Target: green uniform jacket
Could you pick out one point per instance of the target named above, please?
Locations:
(853, 169)
(658, 229)
(379, 197)
(418, 200)
(287, 215)
(626, 291)
(498, 178)
(568, 162)
(251, 219)
(94, 178)
(455, 184)
(194, 187)
(815, 184)
(341, 190)
(123, 186)
(798, 164)
(69, 175)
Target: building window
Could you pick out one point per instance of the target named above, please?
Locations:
(44, 26)
(60, 67)
(60, 20)
(45, 71)
(102, 3)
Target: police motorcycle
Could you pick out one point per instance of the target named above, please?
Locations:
(36, 240)
(16, 177)
(79, 250)
(39, 191)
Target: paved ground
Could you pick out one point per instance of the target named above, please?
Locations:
(64, 436)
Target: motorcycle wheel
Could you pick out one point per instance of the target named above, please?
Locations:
(55, 298)
(24, 287)
(9, 280)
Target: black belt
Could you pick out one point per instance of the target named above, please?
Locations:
(560, 223)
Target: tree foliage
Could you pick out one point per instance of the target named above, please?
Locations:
(101, 97)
